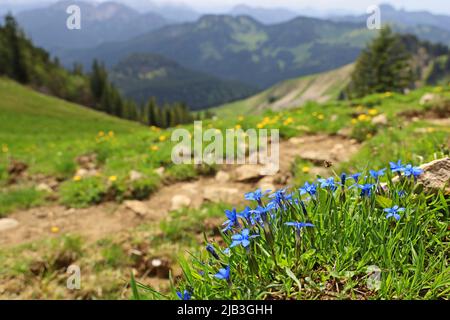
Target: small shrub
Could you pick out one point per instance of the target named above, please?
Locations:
(87, 191)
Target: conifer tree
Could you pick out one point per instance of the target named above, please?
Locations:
(18, 66)
(383, 66)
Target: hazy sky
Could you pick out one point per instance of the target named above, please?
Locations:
(436, 6)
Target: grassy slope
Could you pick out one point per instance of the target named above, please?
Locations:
(37, 117)
(291, 93)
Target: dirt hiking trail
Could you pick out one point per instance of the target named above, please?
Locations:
(228, 186)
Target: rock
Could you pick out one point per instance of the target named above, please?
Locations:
(7, 224)
(220, 194)
(85, 173)
(16, 171)
(138, 207)
(159, 268)
(249, 173)
(345, 132)
(38, 267)
(16, 168)
(222, 176)
(87, 161)
(135, 175)
(160, 171)
(267, 183)
(41, 214)
(180, 201)
(44, 187)
(380, 120)
(427, 98)
(436, 175)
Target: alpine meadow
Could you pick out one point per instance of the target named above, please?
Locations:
(314, 147)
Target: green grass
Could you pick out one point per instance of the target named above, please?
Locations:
(20, 199)
(329, 84)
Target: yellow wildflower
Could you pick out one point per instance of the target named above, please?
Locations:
(54, 229)
(76, 178)
(363, 117)
(101, 134)
(111, 134)
(113, 178)
(238, 126)
(288, 121)
(5, 148)
(260, 125)
(354, 121)
(240, 118)
(154, 148)
(320, 117)
(162, 138)
(373, 112)
(305, 169)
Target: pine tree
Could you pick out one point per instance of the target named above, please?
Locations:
(98, 80)
(383, 66)
(14, 36)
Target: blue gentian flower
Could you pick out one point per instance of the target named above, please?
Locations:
(328, 184)
(223, 274)
(212, 251)
(280, 196)
(366, 189)
(393, 212)
(309, 188)
(242, 238)
(377, 174)
(343, 178)
(299, 225)
(396, 166)
(256, 195)
(247, 215)
(232, 219)
(356, 177)
(186, 295)
(401, 193)
(411, 171)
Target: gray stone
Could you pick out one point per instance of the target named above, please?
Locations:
(180, 201)
(138, 207)
(7, 224)
(427, 98)
(44, 187)
(222, 176)
(135, 175)
(436, 175)
(380, 120)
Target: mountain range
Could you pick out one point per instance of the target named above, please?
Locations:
(105, 22)
(234, 53)
(142, 76)
(402, 17)
(243, 49)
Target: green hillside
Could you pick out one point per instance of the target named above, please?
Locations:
(142, 76)
(46, 131)
(292, 93)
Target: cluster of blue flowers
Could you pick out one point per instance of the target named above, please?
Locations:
(241, 224)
